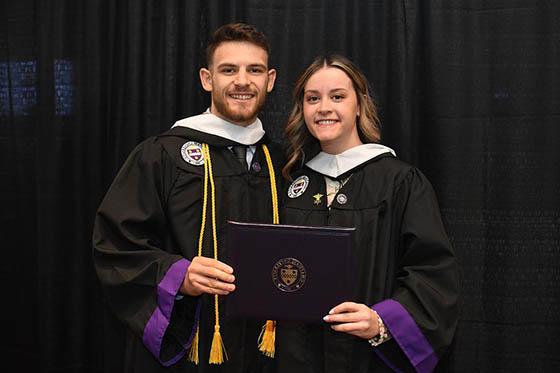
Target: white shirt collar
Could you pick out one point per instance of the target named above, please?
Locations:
(334, 165)
(213, 125)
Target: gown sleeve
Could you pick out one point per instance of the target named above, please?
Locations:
(422, 312)
(139, 275)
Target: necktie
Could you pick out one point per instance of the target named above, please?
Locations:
(240, 153)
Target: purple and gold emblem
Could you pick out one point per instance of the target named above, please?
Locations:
(192, 153)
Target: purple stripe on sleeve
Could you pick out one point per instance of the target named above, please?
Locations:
(407, 334)
(156, 326)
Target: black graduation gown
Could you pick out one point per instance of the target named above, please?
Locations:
(146, 231)
(405, 269)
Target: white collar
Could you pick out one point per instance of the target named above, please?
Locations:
(334, 165)
(213, 125)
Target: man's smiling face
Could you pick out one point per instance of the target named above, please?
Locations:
(239, 80)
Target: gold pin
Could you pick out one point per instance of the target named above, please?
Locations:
(317, 198)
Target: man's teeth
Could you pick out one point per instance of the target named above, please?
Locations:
(241, 97)
(325, 121)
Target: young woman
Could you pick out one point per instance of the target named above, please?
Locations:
(404, 311)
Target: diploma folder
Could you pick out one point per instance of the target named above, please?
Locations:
(287, 272)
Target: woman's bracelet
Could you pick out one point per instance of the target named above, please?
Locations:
(383, 333)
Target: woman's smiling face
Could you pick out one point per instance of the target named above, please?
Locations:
(330, 109)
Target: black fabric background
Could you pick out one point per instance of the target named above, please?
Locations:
(469, 92)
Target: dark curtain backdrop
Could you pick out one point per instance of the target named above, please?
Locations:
(469, 91)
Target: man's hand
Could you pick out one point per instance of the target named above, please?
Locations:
(207, 275)
(353, 318)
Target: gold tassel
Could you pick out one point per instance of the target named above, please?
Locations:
(193, 351)
(217, 351)
(267, 338)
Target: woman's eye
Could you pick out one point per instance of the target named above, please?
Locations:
(337, 97)
(312, 99)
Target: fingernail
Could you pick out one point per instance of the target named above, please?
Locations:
(326, 318)
(331, 311)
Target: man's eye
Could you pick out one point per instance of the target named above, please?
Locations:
(256, 70)
(228, 70)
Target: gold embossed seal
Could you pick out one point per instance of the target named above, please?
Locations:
(288, 275)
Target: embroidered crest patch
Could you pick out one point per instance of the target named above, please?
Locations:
(192, 153)
(298, 186)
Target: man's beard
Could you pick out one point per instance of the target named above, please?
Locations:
(239, 116)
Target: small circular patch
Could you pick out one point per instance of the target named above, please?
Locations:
(192, 153)
(342, 199)
(298, 186)
(288, 275)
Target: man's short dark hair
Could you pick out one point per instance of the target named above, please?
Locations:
(235, 32)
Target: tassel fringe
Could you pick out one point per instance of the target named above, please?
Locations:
(218, 352)
(267, 338)
(193, 351)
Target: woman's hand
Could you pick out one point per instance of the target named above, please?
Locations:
(353, 318)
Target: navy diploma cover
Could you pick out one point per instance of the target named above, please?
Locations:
(287, 272)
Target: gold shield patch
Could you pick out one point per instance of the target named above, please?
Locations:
(289, 274)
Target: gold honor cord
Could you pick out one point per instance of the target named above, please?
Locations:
(217, 351)
(267, 337)
(193, 351)
(268, 333)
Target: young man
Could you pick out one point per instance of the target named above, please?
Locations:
(158, 235)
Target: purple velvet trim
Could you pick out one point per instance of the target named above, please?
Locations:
(156, 326)
(407, 334)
